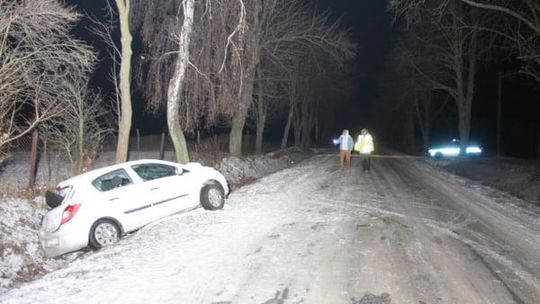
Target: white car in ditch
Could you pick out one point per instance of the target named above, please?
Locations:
(97, 207)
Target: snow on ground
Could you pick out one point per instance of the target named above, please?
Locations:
(405, 232)
(520, 178)
(242, 170)
(20, 255)
(21, 258)
(207, 247)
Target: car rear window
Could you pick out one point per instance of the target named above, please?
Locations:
(64, 191)
(114, 179)
(56, 197)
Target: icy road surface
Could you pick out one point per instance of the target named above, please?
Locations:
(404, 233)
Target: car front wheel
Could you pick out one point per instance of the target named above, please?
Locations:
(103, 233)
(212, 197)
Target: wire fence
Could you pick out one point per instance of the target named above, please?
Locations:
(53, 166)
(140, 143)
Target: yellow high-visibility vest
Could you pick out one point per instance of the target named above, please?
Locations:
(364, 145)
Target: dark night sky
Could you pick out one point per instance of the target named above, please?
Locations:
(370, 28)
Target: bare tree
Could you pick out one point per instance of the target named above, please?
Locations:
(79, 132)
(104, 28)
(126, 111)
(291, 33)
(292, 96)
(316, 86)
(230, 40)
(411, 92)
(450, 36)
(261, 111)
(523, 34)
(36, 53)
(295, 31)
(185, 44)
(269, 100)
(176, 83)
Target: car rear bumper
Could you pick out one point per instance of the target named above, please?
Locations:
(61, 241)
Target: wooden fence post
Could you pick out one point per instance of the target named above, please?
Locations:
(162, 146)
(138, 144)
(33, 160)
(538, 149)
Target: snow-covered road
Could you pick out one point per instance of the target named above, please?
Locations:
(404, 233)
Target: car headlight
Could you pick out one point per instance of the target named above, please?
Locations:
(470, 150)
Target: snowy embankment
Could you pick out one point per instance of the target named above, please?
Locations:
(521, 178)
(21, 259)
(20, 255)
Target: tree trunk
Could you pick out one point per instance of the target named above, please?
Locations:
(465, 105)
(317, 130)
(307, 122)
(176, 85)
(239, 118)
(422, 106)
(162, 146)
(260, 132)
(80, 146)
(33, 160)
(425, 136)
(297, 136)
(126, 112)
(408, 131)
(287, 130)
(235, 137)
(464, 126)
(261, 116)
(290, 117)
(297, 126)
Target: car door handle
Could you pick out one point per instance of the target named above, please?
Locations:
(113, 199)
(152, 189)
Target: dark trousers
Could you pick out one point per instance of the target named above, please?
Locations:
(365, 162)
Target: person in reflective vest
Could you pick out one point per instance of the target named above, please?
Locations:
(365, 147)
(346, 145)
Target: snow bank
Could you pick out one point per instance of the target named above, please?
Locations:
(21, 259)
(520, 178)
(239, 171)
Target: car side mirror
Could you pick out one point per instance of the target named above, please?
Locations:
(181, 171)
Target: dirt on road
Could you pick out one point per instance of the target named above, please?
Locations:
(404, 233)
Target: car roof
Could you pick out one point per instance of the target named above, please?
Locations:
(93, 174)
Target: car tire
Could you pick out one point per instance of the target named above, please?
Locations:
(439, 155)
(103, 233)
(212, 196)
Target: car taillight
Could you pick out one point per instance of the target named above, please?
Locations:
(69, 213)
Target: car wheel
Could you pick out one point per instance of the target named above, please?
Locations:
(212, 197)
(103, 233)
(439, 155)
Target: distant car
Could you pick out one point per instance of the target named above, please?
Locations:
(452, 150)
(96, 208)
